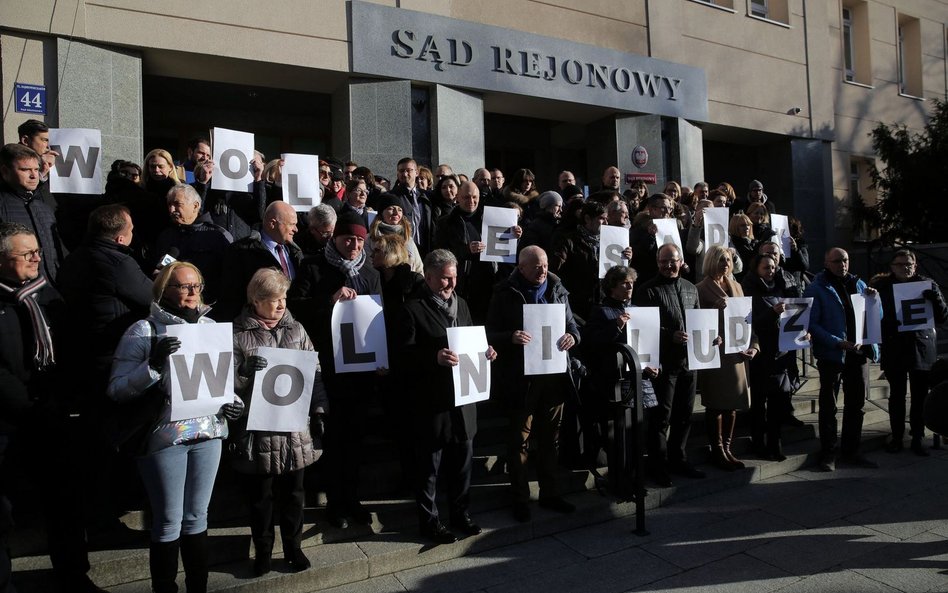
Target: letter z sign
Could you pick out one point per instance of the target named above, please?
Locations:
(30, 98)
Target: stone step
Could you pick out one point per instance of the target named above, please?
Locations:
(391, 543)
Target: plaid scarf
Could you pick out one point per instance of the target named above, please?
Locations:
(26, 294)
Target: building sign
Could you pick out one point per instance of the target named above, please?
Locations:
(650, 178)
(29, 98)
(639, 156)
(398, 43)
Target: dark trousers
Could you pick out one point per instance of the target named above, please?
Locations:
(853, 373)
(287, 491)
(770, 400)
(453, 461)
(539, 422)
(349, 397)
(670, 421)
(898, 381)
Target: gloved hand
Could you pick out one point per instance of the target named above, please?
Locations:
(233, 410)
(163, 349)
(251, 365)
(317, 426)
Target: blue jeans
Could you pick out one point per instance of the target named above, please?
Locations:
(179, 481)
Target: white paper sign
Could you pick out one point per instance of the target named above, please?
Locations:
(702, 328)
(300, 179)
(370, 216)
(496, 233)
(667, 233)
(794, 324)
(202, 370)
(358, 335)
(282, 392)
(78, 168)
(737, 324)
(781, 225)
(912, 310)
(545, 324)
(472, 373)
(868, 313)
(642, 333)
(612, 240)
(716, 222)
(233, 152)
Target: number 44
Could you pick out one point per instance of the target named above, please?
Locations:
(36, 101)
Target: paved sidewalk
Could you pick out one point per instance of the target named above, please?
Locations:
(851, 531)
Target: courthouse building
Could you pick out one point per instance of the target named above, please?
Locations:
(785, 91)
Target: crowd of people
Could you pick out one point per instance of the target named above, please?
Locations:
(88, 286)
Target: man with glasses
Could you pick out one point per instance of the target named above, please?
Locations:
(271, 247)
(839, 359)
(670, 421)
(908, 356)
(20, 201)
(415, 202)
(755, 193)
(31, 396)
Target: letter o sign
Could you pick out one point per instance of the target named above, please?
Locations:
(292, 394)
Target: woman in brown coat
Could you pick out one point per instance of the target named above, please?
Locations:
(724, 390)
(273, 461)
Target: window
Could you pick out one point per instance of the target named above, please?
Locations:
(728, 4)
(862, 197)
(855, 39)
(772, 10)
(910, 56)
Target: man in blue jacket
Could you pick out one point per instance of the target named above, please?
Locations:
(833, 326)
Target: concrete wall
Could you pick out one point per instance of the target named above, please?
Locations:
(457, 128)
(372, 124)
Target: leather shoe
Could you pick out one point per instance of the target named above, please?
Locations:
(438, 533)
(296, 559)
(521, 512)
(557, 504)
(338, 520)
(261, 564)
(894, 446)
(463, 523)
(683, 468)
(827, 462)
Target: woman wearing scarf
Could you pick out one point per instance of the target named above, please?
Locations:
(724, 390)
(392, 221)
(180, 458)
(340, 272)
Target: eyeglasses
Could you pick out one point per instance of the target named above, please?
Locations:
(28, 255)
(188, 288)
(906, 264)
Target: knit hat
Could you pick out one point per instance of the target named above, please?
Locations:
(350, 223)
(571, 190)
(549, 198)
(387, 200)
(755, 185)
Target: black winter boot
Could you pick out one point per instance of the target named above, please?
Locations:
(163, 563)
(194, 558)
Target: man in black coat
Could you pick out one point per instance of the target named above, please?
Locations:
(444, 433)
(670, 420)
(340, 272)
(272, 247)
(534, 403)
(20, 202)
(34, 419)
(416, 202)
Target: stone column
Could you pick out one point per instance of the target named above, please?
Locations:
(372, 124)
(812, 196)
(457, 130)
(687, 152)
(610, 142)
(101, 88)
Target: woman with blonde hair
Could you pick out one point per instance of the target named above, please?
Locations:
(741, 231)
(178, 459)
(724, 390)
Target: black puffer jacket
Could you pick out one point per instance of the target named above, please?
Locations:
(575, 259)
(664, 293)
(201, 243)
(26, 208)
(242, 259)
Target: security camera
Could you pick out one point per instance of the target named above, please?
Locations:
(794, 111)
